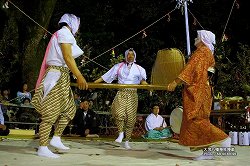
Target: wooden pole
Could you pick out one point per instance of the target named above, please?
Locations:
(122, 86)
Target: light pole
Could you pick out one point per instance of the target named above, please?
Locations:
(183, 5)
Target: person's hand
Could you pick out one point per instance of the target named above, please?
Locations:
(2, 127)
(158, 128)
(87, 132)
(81, 83)
(171, 86)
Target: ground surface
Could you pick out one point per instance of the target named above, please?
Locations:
(21, 151)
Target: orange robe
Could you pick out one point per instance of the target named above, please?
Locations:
(196, 129)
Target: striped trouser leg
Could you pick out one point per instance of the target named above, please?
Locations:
(45, 127)
(60, 125)
(44, 131)
(65, 117)
(58, 106)
(132, 104)
(118, 110)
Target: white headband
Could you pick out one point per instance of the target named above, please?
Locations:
(126, 54)
(208, 38)
(72, 21)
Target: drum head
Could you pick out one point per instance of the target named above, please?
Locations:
(176, 120)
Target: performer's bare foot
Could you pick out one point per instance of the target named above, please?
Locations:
(120, 137)
(57, 143)
(126, 145)
(44, 151)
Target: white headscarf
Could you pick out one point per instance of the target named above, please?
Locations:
(126, 54)
(208, 38)
(72, 21)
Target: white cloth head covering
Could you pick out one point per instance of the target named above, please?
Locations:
(126, 54)
(72, 21)
(208, 38)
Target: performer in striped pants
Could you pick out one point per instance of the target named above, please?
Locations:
(124, 106)
(53, 98)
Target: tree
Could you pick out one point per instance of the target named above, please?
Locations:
(22, 39)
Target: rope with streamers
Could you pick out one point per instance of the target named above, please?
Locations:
(92, 60)
(112, 48)
(141, 31)
(223, 33)
(30, 17)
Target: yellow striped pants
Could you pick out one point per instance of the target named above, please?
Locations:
(124, 109)
(56, 107)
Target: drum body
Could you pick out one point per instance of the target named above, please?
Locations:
(167, 66)
(176, 119)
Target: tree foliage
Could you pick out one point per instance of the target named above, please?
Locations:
(107, 24)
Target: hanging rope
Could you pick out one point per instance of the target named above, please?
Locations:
(30, 17)
(92, 60)
(223, 33)
(195, 19)
(141, 31)
(49, 31)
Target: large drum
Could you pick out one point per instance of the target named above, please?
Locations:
(176, 119)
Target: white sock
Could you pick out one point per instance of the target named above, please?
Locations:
(204, 157)
(57, 143)
(226, 143)
(120, 137)
(126, 145)
(44, 151)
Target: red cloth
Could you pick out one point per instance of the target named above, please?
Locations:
(44, 65)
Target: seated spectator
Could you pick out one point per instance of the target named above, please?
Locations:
(23, 93)
(85, 121)
(156, 126)
(77, 99)
(27, 114)
(3, 129)
(5, 92)
(26, 102)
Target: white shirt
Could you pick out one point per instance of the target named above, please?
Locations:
(134, 75)
(153, 121)
(55, 56)
(1, 116)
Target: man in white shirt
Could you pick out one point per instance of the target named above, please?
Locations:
(3, 129)
(53, 97)
(124, 106)
(156, 126)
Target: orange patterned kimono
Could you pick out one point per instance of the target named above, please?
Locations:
(196, 129)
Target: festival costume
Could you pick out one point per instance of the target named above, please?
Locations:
(53, 98)
(196, 130)
(125, 103)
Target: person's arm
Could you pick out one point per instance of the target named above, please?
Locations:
(70, 62)
(171, 86)
(149, 123)
(143, 76)
(99, 80)
(143, 82)
(109, 76)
